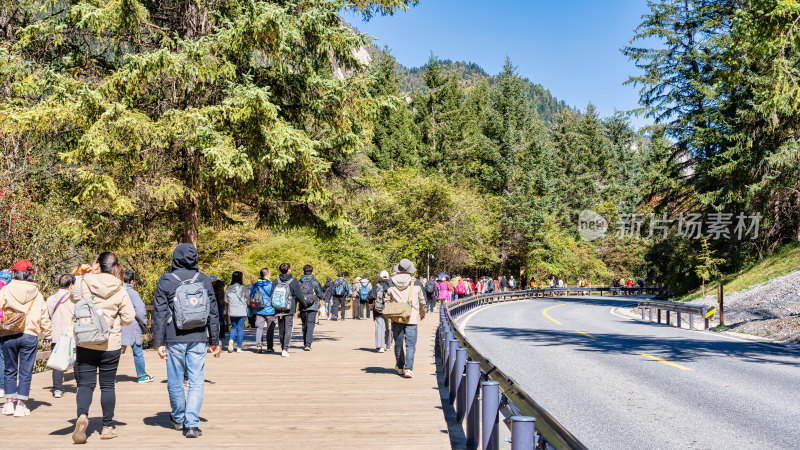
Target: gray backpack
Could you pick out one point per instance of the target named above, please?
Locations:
(380, 298)
(89, 324)
(191, 305)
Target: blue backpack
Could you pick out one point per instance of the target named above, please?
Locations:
(340, 288)
(363, 293)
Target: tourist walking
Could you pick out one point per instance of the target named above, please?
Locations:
(285, 292)
(132, 334)
(186, 322)
(24, 318)
(354, 300)
(309, 304)
(260, 293)
(236, 297)
(445, 290)
(431, 293)
(99, 295)
(406, 289)
(503, 284)
(219, 294)
(327, 297)
(5, 278)
(339, 295)
(364, 287)
(377, 297)
(60, 310)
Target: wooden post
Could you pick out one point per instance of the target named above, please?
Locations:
(721, 301)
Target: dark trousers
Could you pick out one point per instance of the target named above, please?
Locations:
(285, 325)
(87, 365)
(309, 319)
(19, 352)
(339, 304)
(58, 380)
(364, 307)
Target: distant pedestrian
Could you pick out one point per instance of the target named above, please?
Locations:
(60, 310)
(265, 316)
(309, 304)
(405, 289)
(132, 334)
(431, 293)
(185, 345)
(364, 287)
(339, 295)
(327, 297)
(219, 294)
(445, 290)
(378, 296)
(103, 286)
(5, 278)
(236, 297)
(503, 283)
(20, 299)
(285, 293)
(354, 300)
(512, 283)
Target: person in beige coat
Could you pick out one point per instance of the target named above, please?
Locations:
(406, 289)
(105, 284)
(22, 296)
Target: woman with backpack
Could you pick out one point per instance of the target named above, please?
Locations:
(102, 307)
(24, 318)
(260, 295)
(236, 297)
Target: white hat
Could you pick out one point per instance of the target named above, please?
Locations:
(384, 275)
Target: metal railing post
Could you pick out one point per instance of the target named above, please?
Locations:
(451, 364)
(472, 413)
(523, 433)
(458, 378)
(691, 321)
(678, 313)
(446, 361)
(490, 397)
(651, 314)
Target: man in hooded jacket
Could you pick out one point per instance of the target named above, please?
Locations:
(406, 289)
(286, 317)
(184, 350)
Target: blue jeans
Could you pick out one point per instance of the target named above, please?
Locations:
(138, 360)
(189, 358)
(19, 352)
(408, 333)
(237, 330)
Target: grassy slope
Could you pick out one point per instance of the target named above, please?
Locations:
(782, 262)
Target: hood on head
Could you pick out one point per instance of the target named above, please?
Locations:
(21, 291)
(402, 280)
(184, 257)
(102, 285)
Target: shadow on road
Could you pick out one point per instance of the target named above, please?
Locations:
(684, 349)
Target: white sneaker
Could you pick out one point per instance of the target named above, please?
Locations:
(8, 409)
(21, 411)
(381, 350)
(230, 346)
(285, 353)
(239, 350)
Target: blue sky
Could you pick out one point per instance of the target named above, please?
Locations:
(571, 48)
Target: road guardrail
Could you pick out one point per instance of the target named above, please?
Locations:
(704, 311)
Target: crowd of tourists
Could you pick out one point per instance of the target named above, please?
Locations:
(98, 308)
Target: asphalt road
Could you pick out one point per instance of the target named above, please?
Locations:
(620, 383)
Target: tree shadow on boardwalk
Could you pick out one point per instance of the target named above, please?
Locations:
(683, 349)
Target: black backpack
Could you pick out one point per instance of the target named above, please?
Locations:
(257, 299)
(309, 296)
(430, 287)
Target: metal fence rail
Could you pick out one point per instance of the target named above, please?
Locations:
(678, 308)
(481, 391)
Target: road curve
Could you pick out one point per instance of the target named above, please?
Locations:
(618, 383)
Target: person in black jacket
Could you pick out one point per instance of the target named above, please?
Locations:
(184, 350)
(383, 332)
(308, 314)
(286, 318)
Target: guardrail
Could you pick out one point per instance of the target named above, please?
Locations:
(531, 425)
(704, 311)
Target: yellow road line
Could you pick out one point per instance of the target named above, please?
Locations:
(585, 334)
(556, 306)
(655, 358)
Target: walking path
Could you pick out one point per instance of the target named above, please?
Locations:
(342, 394)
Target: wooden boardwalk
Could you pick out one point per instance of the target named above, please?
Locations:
(341, 395)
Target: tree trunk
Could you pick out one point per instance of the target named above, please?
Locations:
(189, 215)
